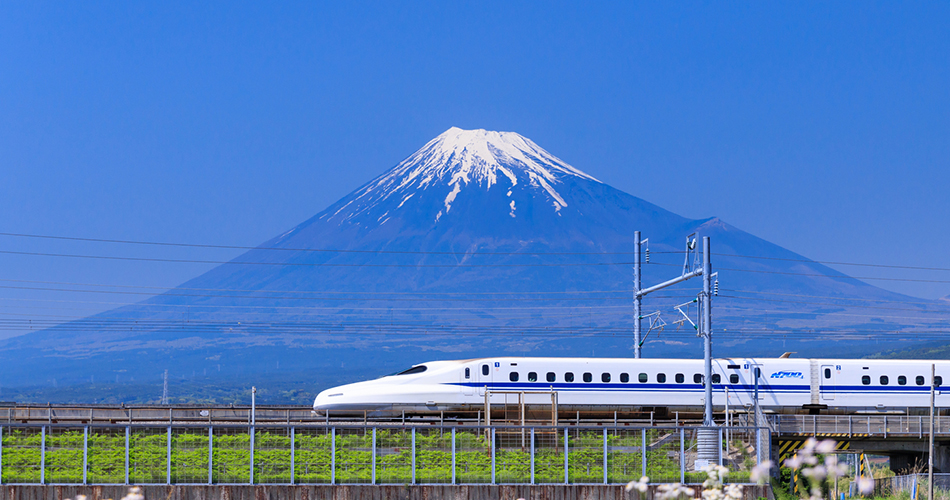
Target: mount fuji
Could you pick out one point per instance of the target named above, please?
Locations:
(479, 243)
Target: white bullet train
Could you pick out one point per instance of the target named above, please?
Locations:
(784, 385)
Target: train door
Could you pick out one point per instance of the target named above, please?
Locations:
(828, 382)
(467, 380)
(484, 377)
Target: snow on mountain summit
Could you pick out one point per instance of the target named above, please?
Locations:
(458, 159)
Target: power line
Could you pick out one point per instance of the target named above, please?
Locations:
(836, 263)
(146, 287)
(301, 264)
(319, 250)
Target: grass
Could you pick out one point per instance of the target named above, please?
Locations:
(313, 458)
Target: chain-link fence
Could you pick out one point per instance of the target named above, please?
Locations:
(273, 454)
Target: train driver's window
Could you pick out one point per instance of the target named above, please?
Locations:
(938, 381)
(605, 377)
(717, 379)
(697, 378)
(468, 373)
(734, 378)
(588, 377)
(532, 376)
(901, 380)
(485, 370)
(624, 378)
(680, 378)
(919, 380)
(569, 377)
(884, 380)
(551, 377)
(642, 377)
(866, 380)
(827, 372)
(661, 377)
(513, 376)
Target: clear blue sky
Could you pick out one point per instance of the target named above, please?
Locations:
(822, 127)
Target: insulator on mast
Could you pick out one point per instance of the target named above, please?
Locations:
(648, 256)
(716, 288)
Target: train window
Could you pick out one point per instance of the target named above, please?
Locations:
(717, 379)
(624, 378)
(569, 377)
(866, 380)
(532, 376)
(413, 370)
(697, 378)
(513, 376)
(919, 380)
(734, 378)
(551, 377)
(588, 377)
(642, 377)
(938, 381)
(901, 380)
(468, 373)
(605, 377)
(661, 377)
(827, 372)
(680, 378)
(484, 369)
(884, 380)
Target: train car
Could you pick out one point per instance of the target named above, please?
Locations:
(782, 385)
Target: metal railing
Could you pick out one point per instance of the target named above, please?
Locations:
(320, 454)
(859, 425)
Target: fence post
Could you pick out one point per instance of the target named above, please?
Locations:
(252, 455)
(210, 451)
(373, 471)
(413, 456)
(128, 430)
(85, 452)
(758, 445)
(566, 477)
(643, 450)
(532, 456)
(720, 446)
(453, 455)
(332, 455)
(43, 454)
(492, 455)
(293, 449)
(605, 452)
(168, 457)
(682, 456)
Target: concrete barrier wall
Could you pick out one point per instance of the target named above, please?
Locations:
(354, 492)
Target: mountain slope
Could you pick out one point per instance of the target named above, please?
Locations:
(479, 243)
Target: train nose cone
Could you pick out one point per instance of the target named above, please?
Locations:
(324, 400)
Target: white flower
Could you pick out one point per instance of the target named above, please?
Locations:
(818, 473)
(826, 446)
(673, 491)
(760, 473)
(794, 462)
(135, 493)
(809, 447)
(734, 492)
(865, 485)
(80, 497)
(640, 485)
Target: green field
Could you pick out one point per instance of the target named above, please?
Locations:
(352, 462)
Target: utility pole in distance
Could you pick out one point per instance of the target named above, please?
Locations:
(637, 299)
(707, 332)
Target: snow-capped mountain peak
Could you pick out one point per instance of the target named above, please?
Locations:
(458, 159)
